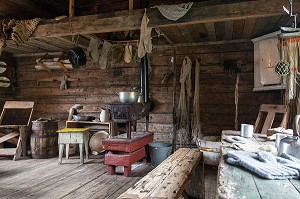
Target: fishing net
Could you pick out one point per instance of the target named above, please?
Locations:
(19, 30)
(174, 12)
(283, 67)
(182, 113)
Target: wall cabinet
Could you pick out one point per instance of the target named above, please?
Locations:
(266, 57)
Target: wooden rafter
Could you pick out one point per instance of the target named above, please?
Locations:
(71, 8)
(125, 20)
(130, 5)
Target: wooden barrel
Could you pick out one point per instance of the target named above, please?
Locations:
(44, 139)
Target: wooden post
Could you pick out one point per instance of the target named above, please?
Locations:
(130, 5)
(71, 8)
(174, 141)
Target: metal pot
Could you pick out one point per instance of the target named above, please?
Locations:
(77, 56)
(128, 97)
(82, 118)
(291, 144)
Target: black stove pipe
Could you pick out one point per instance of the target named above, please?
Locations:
(146, 83)
(144, 78)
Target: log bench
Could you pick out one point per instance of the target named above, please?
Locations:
(169, 178)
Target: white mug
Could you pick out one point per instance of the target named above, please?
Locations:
(246, 130)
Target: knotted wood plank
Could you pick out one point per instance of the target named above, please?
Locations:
(168, 179)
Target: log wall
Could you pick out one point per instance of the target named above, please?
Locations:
(97, 88)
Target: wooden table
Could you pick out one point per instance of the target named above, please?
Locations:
(93, 126)
(73, 136)
(236, 182)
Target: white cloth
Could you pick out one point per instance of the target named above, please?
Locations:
(145, 43)
(128, 53)
(103, 60)
(266, 164)
(93, 49)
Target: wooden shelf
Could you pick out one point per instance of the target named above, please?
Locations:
(93, 126)
(271, 87)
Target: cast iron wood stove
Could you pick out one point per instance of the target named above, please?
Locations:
(129, 114)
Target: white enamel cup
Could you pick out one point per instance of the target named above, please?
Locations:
(246, 130)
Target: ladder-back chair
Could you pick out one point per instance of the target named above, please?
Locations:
(15, 122)
(271, 110)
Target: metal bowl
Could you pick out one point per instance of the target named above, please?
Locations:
(128, 97)
(82, 118)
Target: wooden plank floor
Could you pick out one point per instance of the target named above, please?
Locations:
(45, 178)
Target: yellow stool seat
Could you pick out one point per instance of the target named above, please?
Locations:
(69, 136)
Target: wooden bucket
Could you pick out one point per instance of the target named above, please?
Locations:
(44, 139)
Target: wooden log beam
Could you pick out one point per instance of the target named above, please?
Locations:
(101, 23)
(200, 13)
(125, 20)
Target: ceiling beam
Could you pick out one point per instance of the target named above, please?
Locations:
(11, 8)
(125, 20)
(90, 24)
(223, 12)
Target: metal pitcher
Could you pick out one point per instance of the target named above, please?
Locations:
(291, 144)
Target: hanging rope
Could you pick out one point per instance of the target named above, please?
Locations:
(185, 93)
(182, 113)
(196, 128)
(236, 101)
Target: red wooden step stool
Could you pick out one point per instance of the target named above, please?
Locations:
(124, 152)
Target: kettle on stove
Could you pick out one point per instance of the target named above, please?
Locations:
(291, 144)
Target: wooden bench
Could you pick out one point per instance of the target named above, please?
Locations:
(122, 151)
(169, 178)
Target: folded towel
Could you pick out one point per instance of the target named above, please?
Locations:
(265, 164)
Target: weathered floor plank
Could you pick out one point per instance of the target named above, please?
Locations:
(45, 178)
(91, 190)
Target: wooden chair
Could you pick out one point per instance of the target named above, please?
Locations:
(15, 122)
(271, 110)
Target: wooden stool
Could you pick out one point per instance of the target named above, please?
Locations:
(73, 136)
